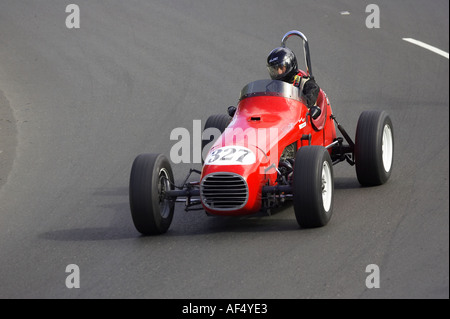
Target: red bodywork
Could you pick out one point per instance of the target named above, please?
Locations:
(277, 122)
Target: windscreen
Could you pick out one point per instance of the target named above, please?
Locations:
(270, 88)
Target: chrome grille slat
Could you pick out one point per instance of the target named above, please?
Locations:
(224, 191)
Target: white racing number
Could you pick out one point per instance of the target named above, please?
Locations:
(231, 155)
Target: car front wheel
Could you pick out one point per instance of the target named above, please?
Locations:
(313, 186)
(151, 176)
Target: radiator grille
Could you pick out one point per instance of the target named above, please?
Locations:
(224, 191)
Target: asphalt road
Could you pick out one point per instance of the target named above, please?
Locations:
(77, 106)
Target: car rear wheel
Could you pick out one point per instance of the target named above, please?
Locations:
(374, 148)
(313, 187)
(151, 176)
(218, 122)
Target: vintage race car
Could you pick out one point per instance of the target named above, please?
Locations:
(273, 149)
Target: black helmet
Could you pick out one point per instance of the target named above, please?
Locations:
(282, 64)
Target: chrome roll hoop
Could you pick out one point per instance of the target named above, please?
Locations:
(305, 48)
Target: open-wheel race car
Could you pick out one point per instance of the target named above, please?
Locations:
(273, 149)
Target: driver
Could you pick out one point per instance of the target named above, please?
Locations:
(282, 65)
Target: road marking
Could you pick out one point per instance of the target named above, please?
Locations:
(345, 13)
(427, 46)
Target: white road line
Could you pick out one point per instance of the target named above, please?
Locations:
(427, 46)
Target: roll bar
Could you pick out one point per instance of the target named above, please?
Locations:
(305, 48)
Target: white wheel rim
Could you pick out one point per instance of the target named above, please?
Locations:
(387, 148)
(327, 187)
(163, 186)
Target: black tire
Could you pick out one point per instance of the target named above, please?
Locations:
(150, 175)
(218, 121)
(374, 148)
(313, 192)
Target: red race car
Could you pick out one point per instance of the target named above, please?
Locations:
(273, 149)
